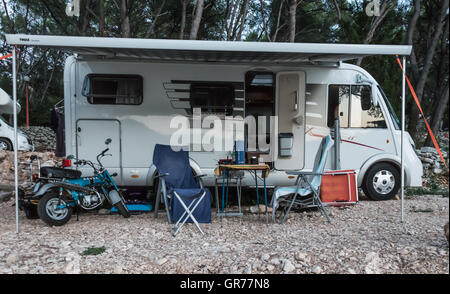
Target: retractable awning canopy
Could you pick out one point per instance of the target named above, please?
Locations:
(207, 51)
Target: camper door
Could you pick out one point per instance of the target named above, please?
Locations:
(91, 137)
(290, 109)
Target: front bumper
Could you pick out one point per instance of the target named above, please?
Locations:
(26, 145)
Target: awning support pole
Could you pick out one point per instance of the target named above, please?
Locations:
(15, 145)
(402, 172)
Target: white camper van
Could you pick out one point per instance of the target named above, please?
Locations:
(134, 90)
(7, 131)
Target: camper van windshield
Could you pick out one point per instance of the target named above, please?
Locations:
(2, 121)
(394, 117)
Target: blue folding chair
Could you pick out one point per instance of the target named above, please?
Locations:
(189, 200)
(305, 193)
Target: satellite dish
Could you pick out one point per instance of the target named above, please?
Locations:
(7, 104)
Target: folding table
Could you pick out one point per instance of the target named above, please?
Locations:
(225, 170)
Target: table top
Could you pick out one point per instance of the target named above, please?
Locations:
(245, 166)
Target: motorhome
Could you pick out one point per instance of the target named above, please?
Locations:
(7, 131)
(134, 90)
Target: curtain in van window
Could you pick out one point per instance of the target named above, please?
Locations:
(127, 91)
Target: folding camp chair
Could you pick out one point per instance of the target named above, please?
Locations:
(305, 193)
(189, 200)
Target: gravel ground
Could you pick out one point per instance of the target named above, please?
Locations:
(366, 238)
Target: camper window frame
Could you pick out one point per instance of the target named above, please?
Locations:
(119, 76)
(227, 109)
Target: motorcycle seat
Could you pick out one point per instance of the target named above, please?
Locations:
(57, 172)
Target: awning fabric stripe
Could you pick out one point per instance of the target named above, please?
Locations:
(207, 51)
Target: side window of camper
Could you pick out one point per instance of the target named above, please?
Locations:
(113, 89)
(338, 105)
(213, 97)
(362, 113)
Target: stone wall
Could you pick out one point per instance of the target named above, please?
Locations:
(7, 166)
(44, 138)
(434, 171)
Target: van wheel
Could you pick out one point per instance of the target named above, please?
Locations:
(381, 182)
(5, 144)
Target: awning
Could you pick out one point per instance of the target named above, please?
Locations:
(208, 51)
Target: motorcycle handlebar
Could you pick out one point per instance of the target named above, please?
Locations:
(101, 155)
(87, 162)
(104, 151)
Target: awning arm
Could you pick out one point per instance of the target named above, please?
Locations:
(15, 145)
(402, 169)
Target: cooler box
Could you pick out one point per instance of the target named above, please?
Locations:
(339, 187)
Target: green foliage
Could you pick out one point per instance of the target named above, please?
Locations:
(93, 251)
(425, 210)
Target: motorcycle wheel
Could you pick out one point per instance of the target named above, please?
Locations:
(122, 208)
(49, 213)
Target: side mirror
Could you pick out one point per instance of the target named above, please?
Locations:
(366, 98)
(108, 141)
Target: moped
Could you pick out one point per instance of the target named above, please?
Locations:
(27, 202)
(66, 189)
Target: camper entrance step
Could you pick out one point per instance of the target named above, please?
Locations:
(136, 208)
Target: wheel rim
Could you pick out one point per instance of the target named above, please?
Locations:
(3, 145)
(53, 211)
(383, 182)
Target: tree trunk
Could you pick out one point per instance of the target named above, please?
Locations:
(263, 15)
(196, 20)
(183, 18)
(47, 85)
(84, 18)
(230, 24)
(101, 17)
(438, 114)
(124, 15)
(155, 17)
(441, 93)
(292, 19)
(385, 8)
(243, 19)
(10, 21)
(338, 9)
(409, 39)
(278, 27)
(420, 86)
